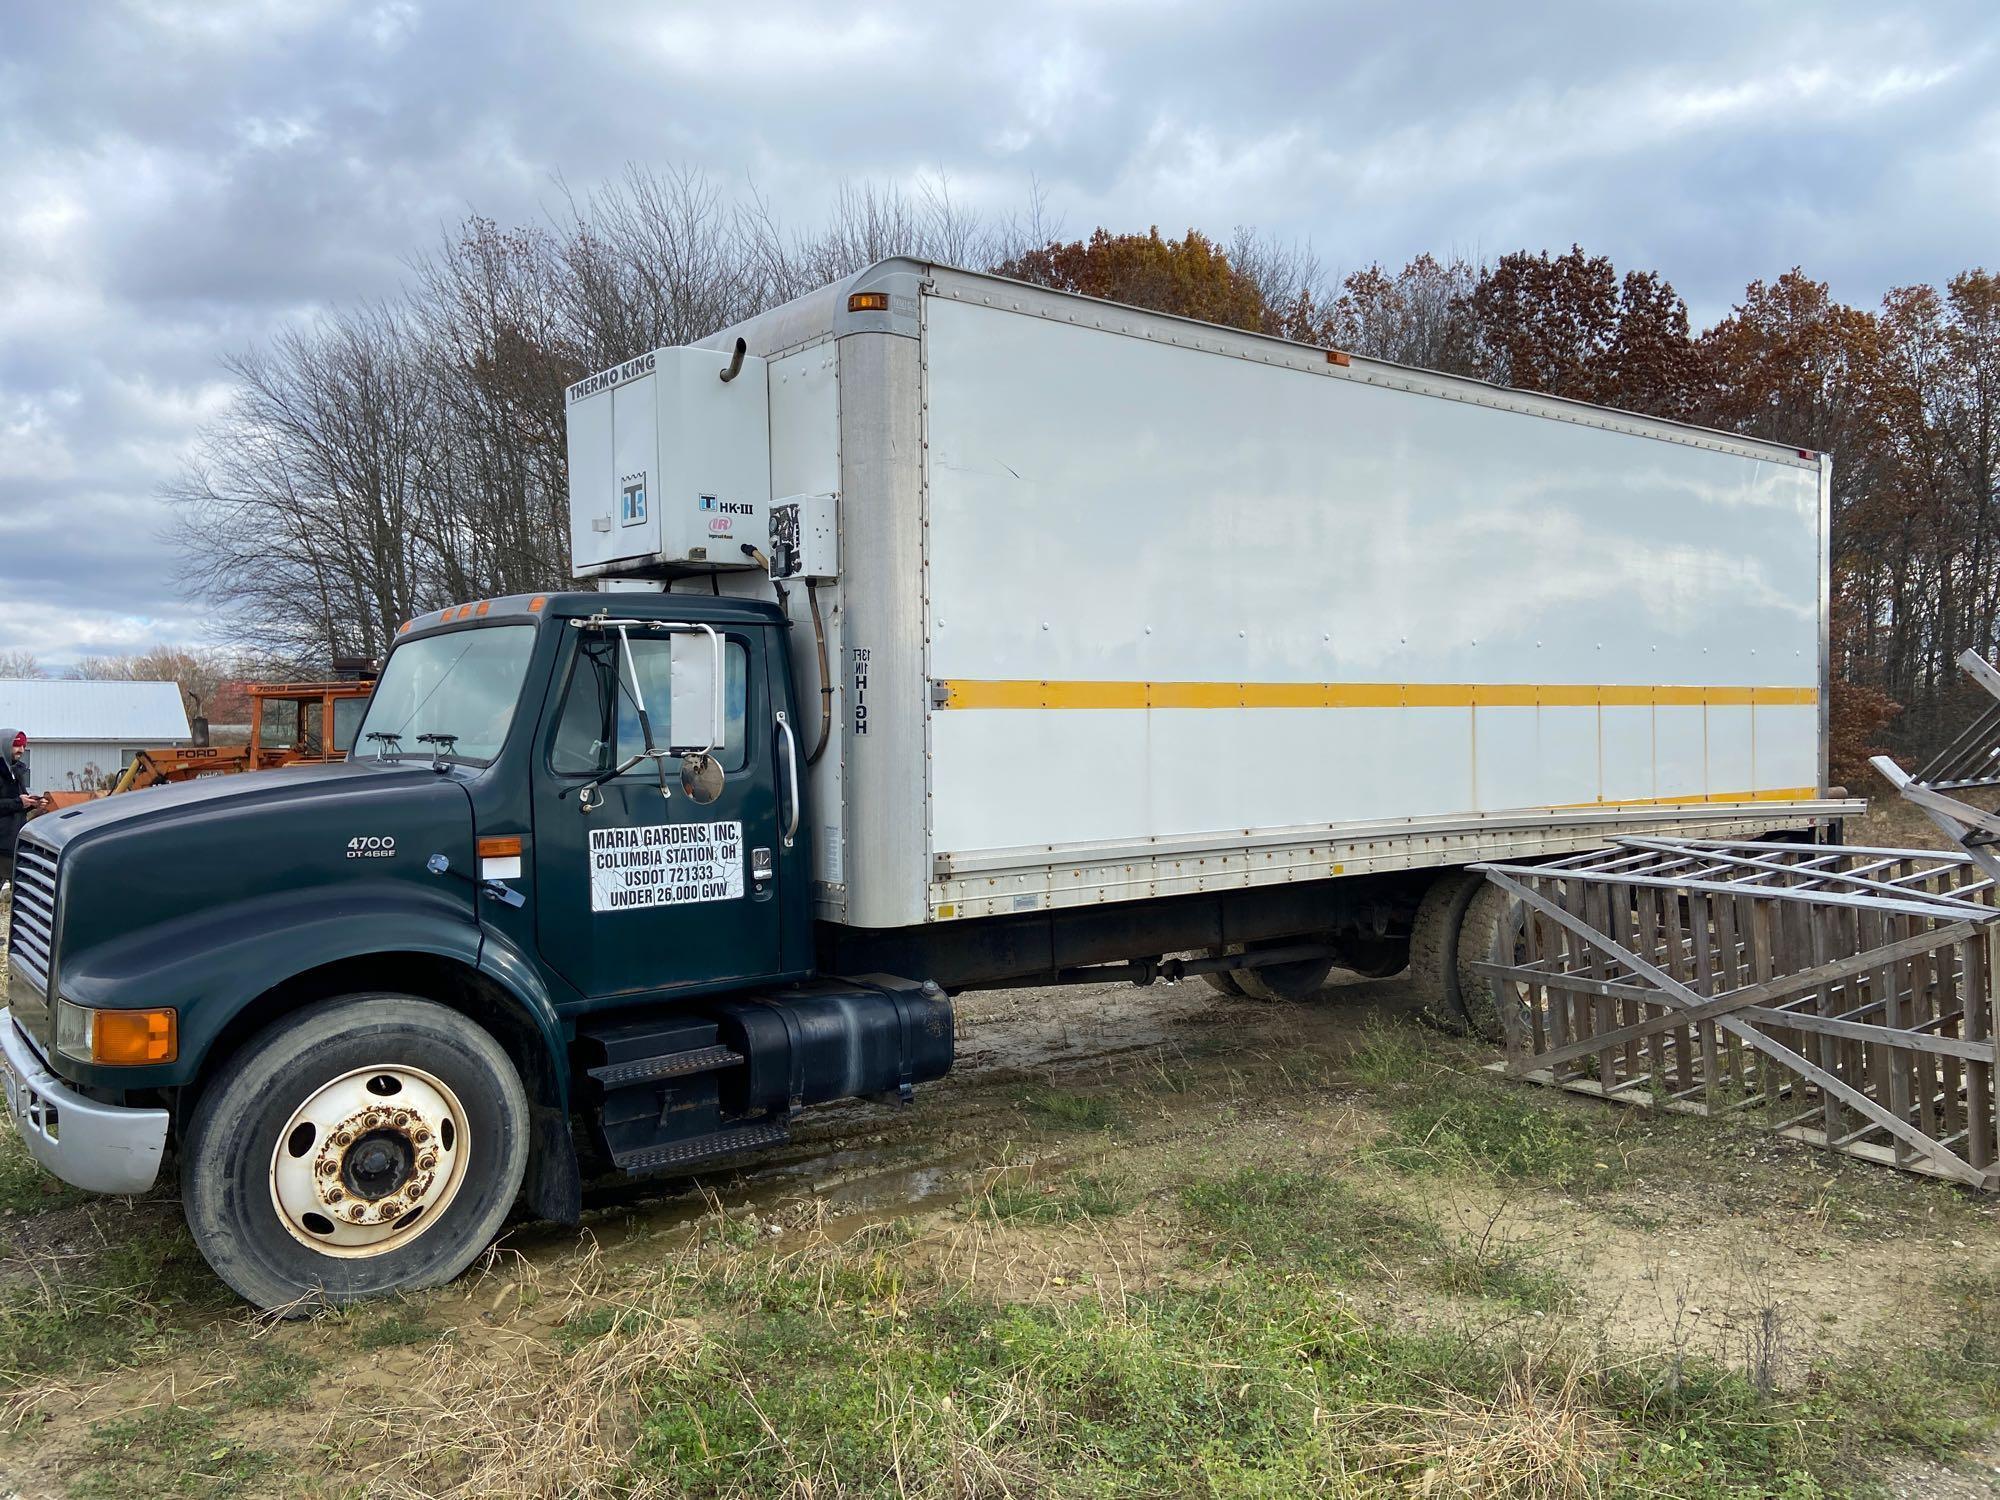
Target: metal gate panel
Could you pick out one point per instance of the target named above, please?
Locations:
(1846, 993)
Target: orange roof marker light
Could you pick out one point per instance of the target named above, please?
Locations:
(868, 302)
(1335, 357)
(535, 604)
(404, 628)
(484, 606)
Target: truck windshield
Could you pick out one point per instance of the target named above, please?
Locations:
(448, 696)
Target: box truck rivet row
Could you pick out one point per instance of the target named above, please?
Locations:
(621, 879)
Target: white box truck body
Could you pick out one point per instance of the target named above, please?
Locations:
(1121, 606)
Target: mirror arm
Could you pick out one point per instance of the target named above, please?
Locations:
(653, 752)
(587, 787)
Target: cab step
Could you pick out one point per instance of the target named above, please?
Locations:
(745, 1137)
(618, 1075)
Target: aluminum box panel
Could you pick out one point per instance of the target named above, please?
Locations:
(1121, 530)
(1145, 605)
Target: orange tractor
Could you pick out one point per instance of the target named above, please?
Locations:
(291, 723)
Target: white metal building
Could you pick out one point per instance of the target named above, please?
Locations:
(74, 728)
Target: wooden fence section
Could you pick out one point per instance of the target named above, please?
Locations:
(1845, 995)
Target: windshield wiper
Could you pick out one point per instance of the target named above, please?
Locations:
(447, 746)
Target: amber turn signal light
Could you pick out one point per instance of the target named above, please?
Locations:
(868, 302)
(119, 1038)
(135, 1036)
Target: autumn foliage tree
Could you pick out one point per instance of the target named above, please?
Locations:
(1191, 277)
(1569, 325)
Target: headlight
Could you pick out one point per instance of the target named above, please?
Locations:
(124, 1038)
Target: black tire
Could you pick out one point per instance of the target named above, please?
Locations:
(1223, 982)
(1373, 955)
(230, 1152)
(1434, 949)
(1285, 983)
(1488, 915)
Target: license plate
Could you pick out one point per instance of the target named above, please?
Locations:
(15, 1105)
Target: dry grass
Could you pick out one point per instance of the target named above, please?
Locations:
(1536, 1440)
(518, 1415)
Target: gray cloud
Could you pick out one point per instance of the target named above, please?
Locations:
(183, 176)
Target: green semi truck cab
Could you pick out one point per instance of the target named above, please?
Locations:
(565, 871)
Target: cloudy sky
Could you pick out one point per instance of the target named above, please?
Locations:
(180, 177)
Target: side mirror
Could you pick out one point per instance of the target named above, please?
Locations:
(695, 716)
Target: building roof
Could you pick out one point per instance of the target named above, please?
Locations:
(121, 713)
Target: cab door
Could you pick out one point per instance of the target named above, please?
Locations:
(650, 891)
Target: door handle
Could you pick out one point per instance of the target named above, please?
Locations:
(791, 777)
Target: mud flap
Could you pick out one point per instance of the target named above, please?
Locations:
(553, 1189)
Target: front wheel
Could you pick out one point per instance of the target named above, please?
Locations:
(364, 1145)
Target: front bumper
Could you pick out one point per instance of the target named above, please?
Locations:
(101, 1148)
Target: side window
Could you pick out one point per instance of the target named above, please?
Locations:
(598, 726)
(280, 722)
(346, 719)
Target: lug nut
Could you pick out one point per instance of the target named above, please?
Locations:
(334, 1195)
(357, 1213)
(420, 1134)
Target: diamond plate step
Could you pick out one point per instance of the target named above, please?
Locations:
(701, 1147)
(667, 1065)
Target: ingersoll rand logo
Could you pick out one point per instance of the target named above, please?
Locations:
(372, 846)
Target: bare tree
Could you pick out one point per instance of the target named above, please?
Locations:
(385, 460)
(198, 671)
(17, 665)
(317, 515)
(1421, 315)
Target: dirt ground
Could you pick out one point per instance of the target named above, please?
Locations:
(1096, 1155)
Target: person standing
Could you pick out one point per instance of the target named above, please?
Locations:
(16, 801)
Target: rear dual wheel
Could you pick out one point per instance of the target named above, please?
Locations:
(1463, 921)
(366, 1144)
(1494, 925)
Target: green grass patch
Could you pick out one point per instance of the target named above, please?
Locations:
(101, 1312)
(1504, 1131)
(169, 1450)
(1066, 1200)
(1071, 1111)
(1971, 1351)
(395, 1328)
(1308, 1221)
(1392, 1053)
(1266, 1383)
(275, 1376)
(25, 1187)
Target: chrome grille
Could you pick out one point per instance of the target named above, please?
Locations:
(31, 935)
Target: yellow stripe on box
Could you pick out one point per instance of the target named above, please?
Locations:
(1695, 799)
(1026, 693)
